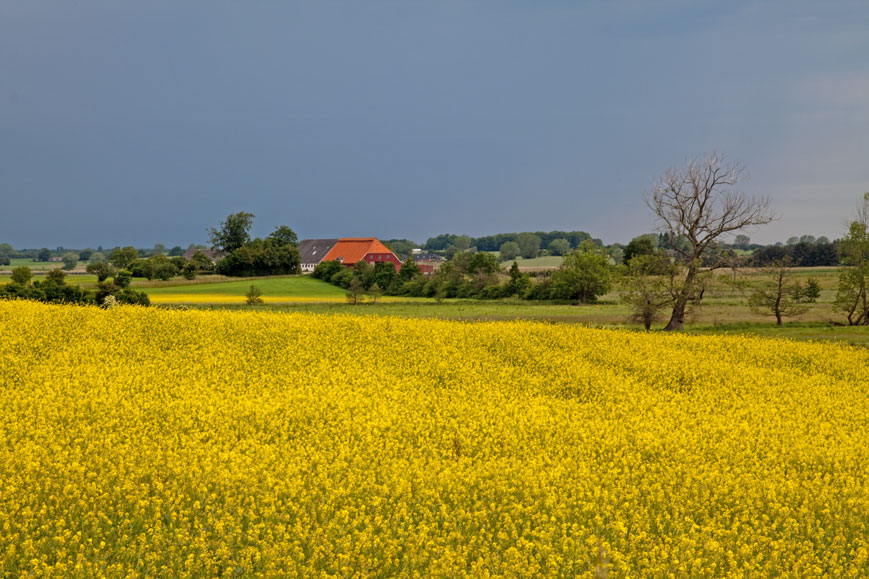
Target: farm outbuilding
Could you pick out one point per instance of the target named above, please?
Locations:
(351, 250)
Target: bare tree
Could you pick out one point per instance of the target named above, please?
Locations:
(695, 205)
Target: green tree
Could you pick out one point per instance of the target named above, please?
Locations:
(354, 291)
(559, 246)
(21, 275)
(695, 206)
(70, 260)
(97, 257)
(741, 241)
(254, 295)
(409, 270)
(643, 288)
(233, 233)
(641, 245)
(201, 262)
(518, 282)
(85, 254)
(583, 276)
(509, 250)
(364, 273)
(852, 296)
(101, 269)
(811, 291)
(121, 258)
(283, 235)
(781, 295)
(123, 278)
(176, 251)
(375, 291)
(44, 254)
(529, 245)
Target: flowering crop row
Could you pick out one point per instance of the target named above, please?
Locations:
(156, 443)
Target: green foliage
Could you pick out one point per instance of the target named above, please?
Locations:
(70, 260)
(201, 261)
(518, 283)
(355, 290)
(261, 257)
(401, 247)
(529, 245)
(233, 232)
(97, 257)
(781, 296)
(123, 278)
(101, 269)
(811, 291)
(108, 291)
(176, 251)
(188, 270)
(326, 269)
(283, 235)
(21, 275)
(584, 275)
(254, 295)
(53, 289)
(343, 277)
(409, 270)
(44, 254)
(509, 250)
(644, 289)
(852, 296)
(641, 245)
(122, 257)
(375, 291)
(85, 255)
(559, 246)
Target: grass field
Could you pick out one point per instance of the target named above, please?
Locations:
(37, 265)
(274, 290)
(142, 442)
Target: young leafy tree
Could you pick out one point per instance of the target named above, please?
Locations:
(644, 289)
(254, 295)
(509, 250)
(781, 296)
(21, 275)
(233, 233)
(283, 235)
(354, 291)
(852, 297)
(584, 275)
(375, 291)
(121, 258)
(70, 260)
(101, 269)
(694, 206)
(559, 246)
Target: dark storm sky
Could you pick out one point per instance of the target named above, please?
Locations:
(134, 122)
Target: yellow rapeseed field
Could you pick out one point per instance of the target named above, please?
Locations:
(158, 443)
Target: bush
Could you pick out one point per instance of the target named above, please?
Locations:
(254, 295)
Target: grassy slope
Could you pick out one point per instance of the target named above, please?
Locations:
(288, 288)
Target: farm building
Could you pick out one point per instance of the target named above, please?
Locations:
(312, 252)
(351, 250)
(211, 254)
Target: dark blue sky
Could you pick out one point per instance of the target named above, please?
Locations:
(133, 122)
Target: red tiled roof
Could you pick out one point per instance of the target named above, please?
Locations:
(353, 249)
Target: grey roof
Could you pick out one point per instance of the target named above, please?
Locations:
(313, 250)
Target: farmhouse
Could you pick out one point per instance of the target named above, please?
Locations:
(312, 252)
(211, 254)
(351, 250)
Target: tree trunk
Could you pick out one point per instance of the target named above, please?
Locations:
(677, 319)
(777, 319)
